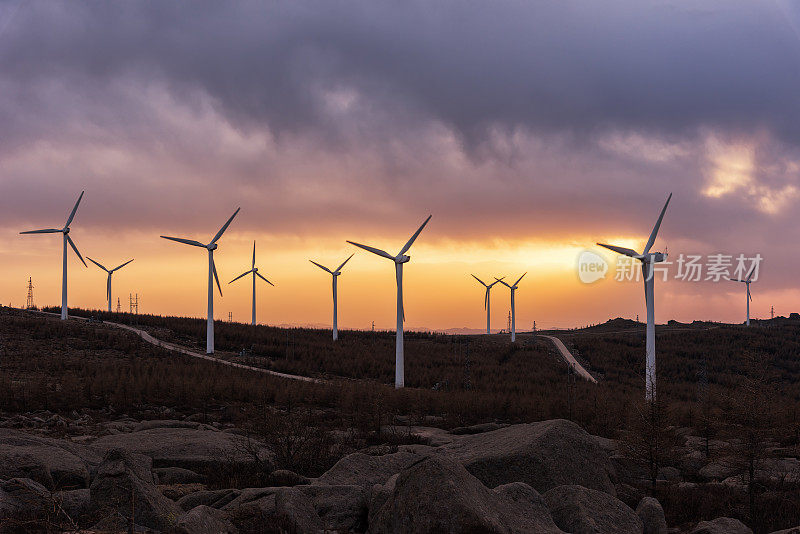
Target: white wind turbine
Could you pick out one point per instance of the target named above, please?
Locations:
(747, 282)
(513, 289)
(212, 271)
(67, 239)
(399, 260)
(254, 271)
(648, 259)
(335, 274)
(110, 272)
(486, 299)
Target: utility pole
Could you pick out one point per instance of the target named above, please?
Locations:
(508, 323)
(29, 305)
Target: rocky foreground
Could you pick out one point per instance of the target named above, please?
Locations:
(546, 477)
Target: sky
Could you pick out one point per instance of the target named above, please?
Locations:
(529, 130)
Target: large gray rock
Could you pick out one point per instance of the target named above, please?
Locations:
(543, 455)
(125, 483)
(177, 475)
(189, 448)
(213, 498)
(794, 530)
(722, 525)
(75, 503)
(717, 471)
(204, 520)
(582, 510)
(438, 495)
(54, 463)
(651, 513)
(366, 470)
(23, 498)
(295, 514)
(341, 508)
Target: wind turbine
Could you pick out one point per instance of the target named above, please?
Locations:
(254, 271)
(399, 260)
(648, 259)
(747, 282)
(67, 239)
(513, 288)
(486, 301)
(335, 274)
(108, 283)
(212, 270)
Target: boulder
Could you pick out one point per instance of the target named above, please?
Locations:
(543, 455)
(670, 474)
(125, 483)
(177, 475)
(23, 498)
(204, 520)
(54, 463)
(341, 508)
(716, 471)
(284, 477)
(166, 423)
(294, 513)
(581, 510)
(365, 470)
(195, 449)
(794, 530)
(215, 499)
(75, 503)
(476, 429)
(651, 513)
(438, 495)
(722, 525)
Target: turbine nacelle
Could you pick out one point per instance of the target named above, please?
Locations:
(653, 257)
(402, 259)
(211, 246)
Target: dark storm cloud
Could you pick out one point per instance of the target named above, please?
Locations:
(544, 65)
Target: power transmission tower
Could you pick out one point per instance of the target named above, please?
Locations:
(230, 317)
(29, 305)
(119, 306)
(134, 303)
(772, 312)
(508, 323)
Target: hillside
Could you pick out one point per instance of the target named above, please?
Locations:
(728, 400)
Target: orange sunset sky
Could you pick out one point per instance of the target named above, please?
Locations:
(528, 131)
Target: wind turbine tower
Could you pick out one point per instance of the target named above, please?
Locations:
(67, 240)
(513, 287)
(487, 300)
(335, 274)
(108, 281)
(255, 273)
(399, 260)
(212, 276)
(648, 259)
(749, 297)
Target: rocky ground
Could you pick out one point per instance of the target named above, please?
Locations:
(104, 474)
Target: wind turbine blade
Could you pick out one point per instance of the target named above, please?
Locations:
(750, 275)
(186, 241)
(486, 298)
(224, 227)
(69, 240)
(72, 215)
(414, 237)
(241, 275)
(656, 227)
(108, 286)
(736, 280)
(520, 278)
(98, 264)
(254, 254)
(621, 250)
(748, 292)
(377, 251)
(502, 282)
(339, 268)
(321, 266)
(118, 267)
(479, 280)
(214, 268)
(264, 279)
(46, 231)
(495, 281)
